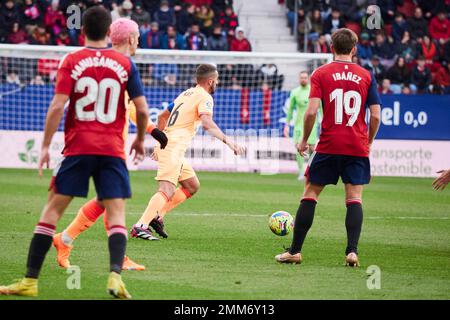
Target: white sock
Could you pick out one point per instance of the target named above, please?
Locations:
(66, 238)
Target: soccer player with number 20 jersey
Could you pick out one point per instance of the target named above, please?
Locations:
(345, 91)
(94, 80)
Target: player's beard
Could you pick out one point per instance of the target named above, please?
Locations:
(212, 89)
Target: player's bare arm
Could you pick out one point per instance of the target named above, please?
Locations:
(442, 181)
(54, 116)
(141, 123)
(375, 119)
(163, 117)
(211, 127)
(308, 124)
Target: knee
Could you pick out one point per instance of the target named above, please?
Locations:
(168, 190)
(192, 188)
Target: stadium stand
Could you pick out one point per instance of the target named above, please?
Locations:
(411, 51)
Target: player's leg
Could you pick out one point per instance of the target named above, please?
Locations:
(320, 172)
(355, 173)
(87, 215)
(170, 163)
(353, 221)
(189, 185)
(112, 184)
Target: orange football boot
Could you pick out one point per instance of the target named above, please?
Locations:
(129, 264)
(62, 251)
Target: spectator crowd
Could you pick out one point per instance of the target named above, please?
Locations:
(408, 53)
(163, 24)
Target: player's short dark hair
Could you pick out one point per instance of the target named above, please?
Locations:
(343, 40)
(96, 23)
(204, 71)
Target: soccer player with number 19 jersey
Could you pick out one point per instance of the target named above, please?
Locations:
(95, 80)
(345, 90)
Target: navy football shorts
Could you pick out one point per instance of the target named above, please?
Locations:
(110, 176)
(326, 169)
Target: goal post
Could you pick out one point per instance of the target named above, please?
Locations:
(250, 101)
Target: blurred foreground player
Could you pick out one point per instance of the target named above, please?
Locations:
(124, 35)
(94, 145)
(190, 109)
(442, 181)
(345, 90)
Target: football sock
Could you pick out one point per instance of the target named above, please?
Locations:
(86, 217)
(179, 196)
(155, 205)
(117, 243)
(353, 224)
(40, 244)
(303, 222)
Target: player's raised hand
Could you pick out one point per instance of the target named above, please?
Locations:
(44, 160)
(160, 137)
(302, 148)
(139, 150)
(442, 181)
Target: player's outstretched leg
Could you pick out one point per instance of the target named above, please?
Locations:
(40, 244)
(303, 222)
(117, 242)
(86, 217)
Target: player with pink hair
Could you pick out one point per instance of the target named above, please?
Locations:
(124, 35)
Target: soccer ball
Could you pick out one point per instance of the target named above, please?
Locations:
(281, 223)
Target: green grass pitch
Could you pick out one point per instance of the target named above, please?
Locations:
(220, 246)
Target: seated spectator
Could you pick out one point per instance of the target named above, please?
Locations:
(185, 18)
(387, 8)
(152, 38)
(205, 16)
(140, 16)
(37, 81)
(303, 26)
(348, 8)
(399, 27)
(364, 49)
(384, 49)
(421, 76)
(116, 11)
(428, 50)
(440, 28)
(217, 41)
(172, 40)
(127, 9)
(385, 87)
(13, 77)
(17, 35)
(333, 22)
(406, 48)
(228, 19)
(270, 78)
(321, 45)
(376, 68)
(165, 15)
(54, 19)
(148, 76)
(417, 25)
(442, 79)
(220, 5)
(31, 16)
(63, 39)
(40, 36)
(195, 40)
(240, 42)
(165, 74)
(9, 14)
(406, 90)
(399, 74)
(316, 23)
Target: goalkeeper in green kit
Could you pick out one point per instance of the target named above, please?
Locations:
(299, 102)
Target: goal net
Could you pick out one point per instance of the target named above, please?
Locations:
(249, 104)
